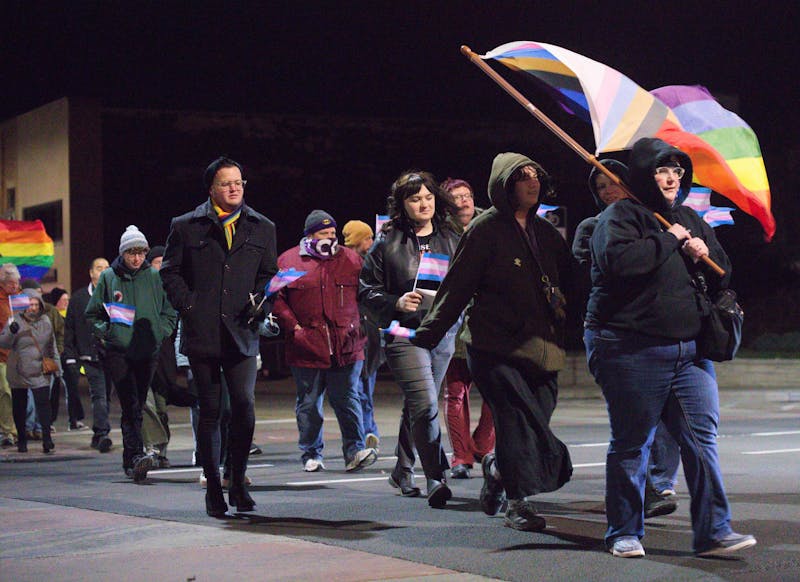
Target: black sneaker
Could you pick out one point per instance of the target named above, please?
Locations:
(140, 468)
(460, 471)
(492, 493)
(733, 542)
(104, 444)
(522, 516)
(656, 504)
(438, 493)
(255, 449)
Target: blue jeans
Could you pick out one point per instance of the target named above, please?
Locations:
(366, 394)
(665, 457)
(646, 379)
(419, 373)
(341, 384)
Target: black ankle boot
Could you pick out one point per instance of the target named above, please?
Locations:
(239, 497)
(47, 444)
(215, 504)
(22, 447)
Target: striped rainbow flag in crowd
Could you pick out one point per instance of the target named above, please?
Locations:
(398, 330)
(26, 244)
(120, 313)
(432, 267)
(19, 302)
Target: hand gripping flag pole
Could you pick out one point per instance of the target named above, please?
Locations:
(566, 138)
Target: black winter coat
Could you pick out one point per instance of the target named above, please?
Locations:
(210, 285)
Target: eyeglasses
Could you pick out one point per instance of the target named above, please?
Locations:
(665, 171)
(137, 252)
(462, 197)
(235, 183)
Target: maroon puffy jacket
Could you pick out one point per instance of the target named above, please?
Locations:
(324, 303)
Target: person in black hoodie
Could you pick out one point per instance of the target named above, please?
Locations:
(642, 320)
(664, 454)
(515, 271)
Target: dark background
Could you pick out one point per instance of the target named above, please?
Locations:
(321, 64)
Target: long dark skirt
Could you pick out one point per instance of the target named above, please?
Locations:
(522, 398)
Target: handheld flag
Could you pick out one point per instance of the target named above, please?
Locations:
(19, 302)
(26, 244)
(120, 313)
(545, 208)
(380, 220)
(282, 278)
(398, 330)
(433, 267)
(699, 200)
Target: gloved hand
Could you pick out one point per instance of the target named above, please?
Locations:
(13, 327)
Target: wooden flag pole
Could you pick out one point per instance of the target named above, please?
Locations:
(566, 138)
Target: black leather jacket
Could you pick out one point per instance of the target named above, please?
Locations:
(389, 271)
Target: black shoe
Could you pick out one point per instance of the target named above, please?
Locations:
(239, 497)
(104, 444)
(522, 516)
(406, 485)
(95, 441)
(140, 468)
(215, 504)
(255, 450)
(47, 444)
(656, 504)
(438, 493)
(163, 462)
(492, 493)
(459, 472)
(22, 447)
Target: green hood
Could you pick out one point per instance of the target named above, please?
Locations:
(503, 167)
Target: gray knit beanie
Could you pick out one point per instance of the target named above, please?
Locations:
(318, 220)
(132, 238)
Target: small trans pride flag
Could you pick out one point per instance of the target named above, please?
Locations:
(282, 278)
(433, 267)
(545, 208)
(398, 330)
(380, 220)
(120, 313)
(19, 302)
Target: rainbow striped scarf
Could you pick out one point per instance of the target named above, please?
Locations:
(228, 221)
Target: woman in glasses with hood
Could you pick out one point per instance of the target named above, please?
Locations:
(642, 320)
(512, 265)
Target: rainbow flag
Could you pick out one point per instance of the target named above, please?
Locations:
(621, 112)
(19, 302)
(281, 279)
(731, 163)
(26, 244)
(120, 313)
(398, 330)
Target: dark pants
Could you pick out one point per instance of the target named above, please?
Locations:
(98, 390)
(74, 405)
(240, 374)
(132, 379)
(522, 399)
(19, 409)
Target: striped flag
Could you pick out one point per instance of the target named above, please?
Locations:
(398, 330)
(120, 313)
(26, 244)
(19, 302)
(380, 220)
(699, 200)
(545, 208)
(718, 215)
(282, 278)
(433, 267)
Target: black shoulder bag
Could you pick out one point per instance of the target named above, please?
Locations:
(721, 331)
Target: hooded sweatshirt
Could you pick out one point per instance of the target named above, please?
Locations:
(641, 281)
(494, 264)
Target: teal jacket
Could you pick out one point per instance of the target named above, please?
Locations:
(155, 317)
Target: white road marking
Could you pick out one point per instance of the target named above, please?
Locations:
(780, 433)
(773, 452)
(198, 470)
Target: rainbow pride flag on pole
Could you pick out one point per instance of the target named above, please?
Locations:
(26, 244)
(621, 112)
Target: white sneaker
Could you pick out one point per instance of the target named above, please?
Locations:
(313, 465)
(203, 481)
(363, 458)
(372, 441)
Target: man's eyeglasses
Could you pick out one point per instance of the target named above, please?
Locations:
(461, 197)
(235, 183)
(665, 171)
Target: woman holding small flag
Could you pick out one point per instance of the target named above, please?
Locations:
(30, 339)
(512, 266)
(407, 262)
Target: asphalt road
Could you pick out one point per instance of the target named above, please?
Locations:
(759, 445)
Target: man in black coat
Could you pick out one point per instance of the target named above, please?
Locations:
(218, 259)
(81, 348)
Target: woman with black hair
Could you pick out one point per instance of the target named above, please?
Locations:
(512, 265)
(418, 224)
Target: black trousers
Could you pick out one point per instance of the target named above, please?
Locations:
(19, 409)
(240, 375)
(522, 399)
(132, 380)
